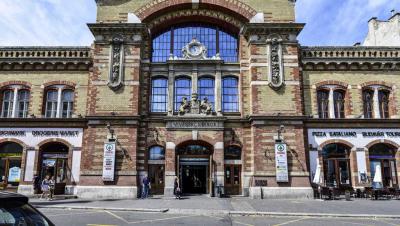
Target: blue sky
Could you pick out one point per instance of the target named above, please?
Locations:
(63, 22)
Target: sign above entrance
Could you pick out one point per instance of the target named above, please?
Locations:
(282, 174)
(195, 124)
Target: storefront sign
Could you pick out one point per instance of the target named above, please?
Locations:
(5, 155)
(282, 174)
(39, 133)
(14, 174)
(109, 161)
(195, 124)
(354, 134)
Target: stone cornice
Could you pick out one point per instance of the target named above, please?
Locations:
(45, 58)
(250, 29)
(130, 32)
(350, 58)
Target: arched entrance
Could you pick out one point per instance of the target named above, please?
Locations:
(194, 165)
(10, 165)
(384, 156)
(54, 163)
(336, 165)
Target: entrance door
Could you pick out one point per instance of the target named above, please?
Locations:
(337, 172)
(194, 179)
(233, 179)
(156, 175)
(55, 166)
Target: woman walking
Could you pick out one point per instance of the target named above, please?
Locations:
(52, 185)
(177, 188)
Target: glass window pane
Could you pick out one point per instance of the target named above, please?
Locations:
(206, 89)
(183, 89)
(230, 100)
(156, 153)
(159, 95)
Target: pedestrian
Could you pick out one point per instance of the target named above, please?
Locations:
(145, 187)
(36, 184)
(45, 187)
(177, 188)
(52, 185)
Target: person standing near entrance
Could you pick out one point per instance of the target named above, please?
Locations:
(36, 184)
(177, 188)
(45, 187)
(52, 185)
(145, 187)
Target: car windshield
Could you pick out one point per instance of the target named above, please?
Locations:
(20, 214)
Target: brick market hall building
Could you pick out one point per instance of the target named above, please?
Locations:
(217, 93)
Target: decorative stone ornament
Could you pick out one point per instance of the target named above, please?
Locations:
(194, 50)
(195, 106)
(115, 80)
(275, 62)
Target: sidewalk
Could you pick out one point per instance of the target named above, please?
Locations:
(203, 205)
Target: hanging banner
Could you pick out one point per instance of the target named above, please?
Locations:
(109, 161)
(282, 174)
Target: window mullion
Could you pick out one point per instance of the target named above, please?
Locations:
(15, 100)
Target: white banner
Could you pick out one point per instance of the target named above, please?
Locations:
(109, 161)
(282, 174)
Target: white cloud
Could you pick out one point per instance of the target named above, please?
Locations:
(46, 22)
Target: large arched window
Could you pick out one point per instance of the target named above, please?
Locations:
(59, 102)
(206, 90)
(383, 156)
(10, 163)
(159, 95)
(156, 153)
(183, 89)
(15, 102)
(230, 94)
(376, 100)
(216, 41)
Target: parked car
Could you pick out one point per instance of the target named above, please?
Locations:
(16, 211)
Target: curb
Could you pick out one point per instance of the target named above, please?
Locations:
(226, 212)
(104, 208)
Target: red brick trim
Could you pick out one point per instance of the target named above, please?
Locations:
(56, 140)
(67, 83)
(332, 82)
(371, 83)
(13, 140)
(9, 83)
(333, 141)
(201, 138)
(234, 6)
(384, 141)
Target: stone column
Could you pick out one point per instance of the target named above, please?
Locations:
(59, 104)
(14, 107)
(170, 169)
(218, 158)
(331, 103)
(377, 113)
(171, 79)
(194, 78)
(217, 91)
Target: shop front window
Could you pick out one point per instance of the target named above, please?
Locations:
(10, 164)
(382, 157)
(157, 153)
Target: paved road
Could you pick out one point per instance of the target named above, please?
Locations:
(66, 217)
